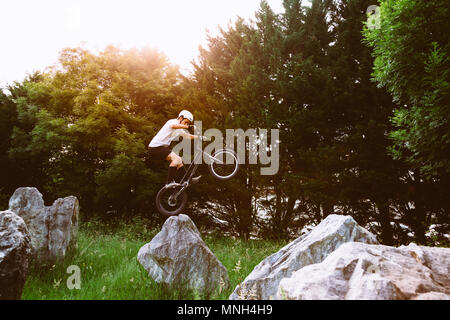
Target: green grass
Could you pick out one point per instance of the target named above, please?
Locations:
(107, 258)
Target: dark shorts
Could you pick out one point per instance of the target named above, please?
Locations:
(159, 153)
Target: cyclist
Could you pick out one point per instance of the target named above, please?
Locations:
(159, 146)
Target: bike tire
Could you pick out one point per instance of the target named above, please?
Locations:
(213, 167)
(164, 207)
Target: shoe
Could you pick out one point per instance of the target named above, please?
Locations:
(196, 180)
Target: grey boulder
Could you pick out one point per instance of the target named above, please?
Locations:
(15, 251)
(359, 271)
(178, 257)
(263, 282)
(53, 229)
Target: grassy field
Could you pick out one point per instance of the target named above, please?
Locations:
(107, 258)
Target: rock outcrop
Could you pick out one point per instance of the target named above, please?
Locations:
(53, 229)
(359, 271)
(178, 257)
(15, 251)
(262, 283)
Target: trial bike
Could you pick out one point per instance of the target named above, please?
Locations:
(172, 199)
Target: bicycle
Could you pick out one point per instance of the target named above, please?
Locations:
(172, 199)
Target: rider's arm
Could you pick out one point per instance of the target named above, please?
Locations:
(179, 126)
(184, 133)
(187, 135)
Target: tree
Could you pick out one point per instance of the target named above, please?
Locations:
(28, 154)
(220, 100)
(412, 61)
(307, 73)
(8, 117)
(119, 99)
(86, 123)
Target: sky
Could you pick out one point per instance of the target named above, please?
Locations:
(34, 32)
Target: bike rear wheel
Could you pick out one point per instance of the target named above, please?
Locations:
(167, 204)
(228, 165)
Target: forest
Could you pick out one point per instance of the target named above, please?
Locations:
(362, 114)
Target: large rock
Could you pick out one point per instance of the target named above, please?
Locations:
(178, 257)
(262, 283)
(373, 272)
(53, 229)
(15, 250)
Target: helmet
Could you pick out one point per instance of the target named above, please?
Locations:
(187, 115)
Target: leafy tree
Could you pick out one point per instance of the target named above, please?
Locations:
(27, 154)
(8, 117)
(412, 61)
(218, 93)
(122, 99)
(411, 50)
(126, 184)
(86, 123)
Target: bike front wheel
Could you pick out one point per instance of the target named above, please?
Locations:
(170, 201)
(225, 164)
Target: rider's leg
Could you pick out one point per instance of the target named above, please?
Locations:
(175, 162)
(177, 169)
(181, 172)
(171, 175)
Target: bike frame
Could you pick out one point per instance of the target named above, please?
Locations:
(187, 178)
